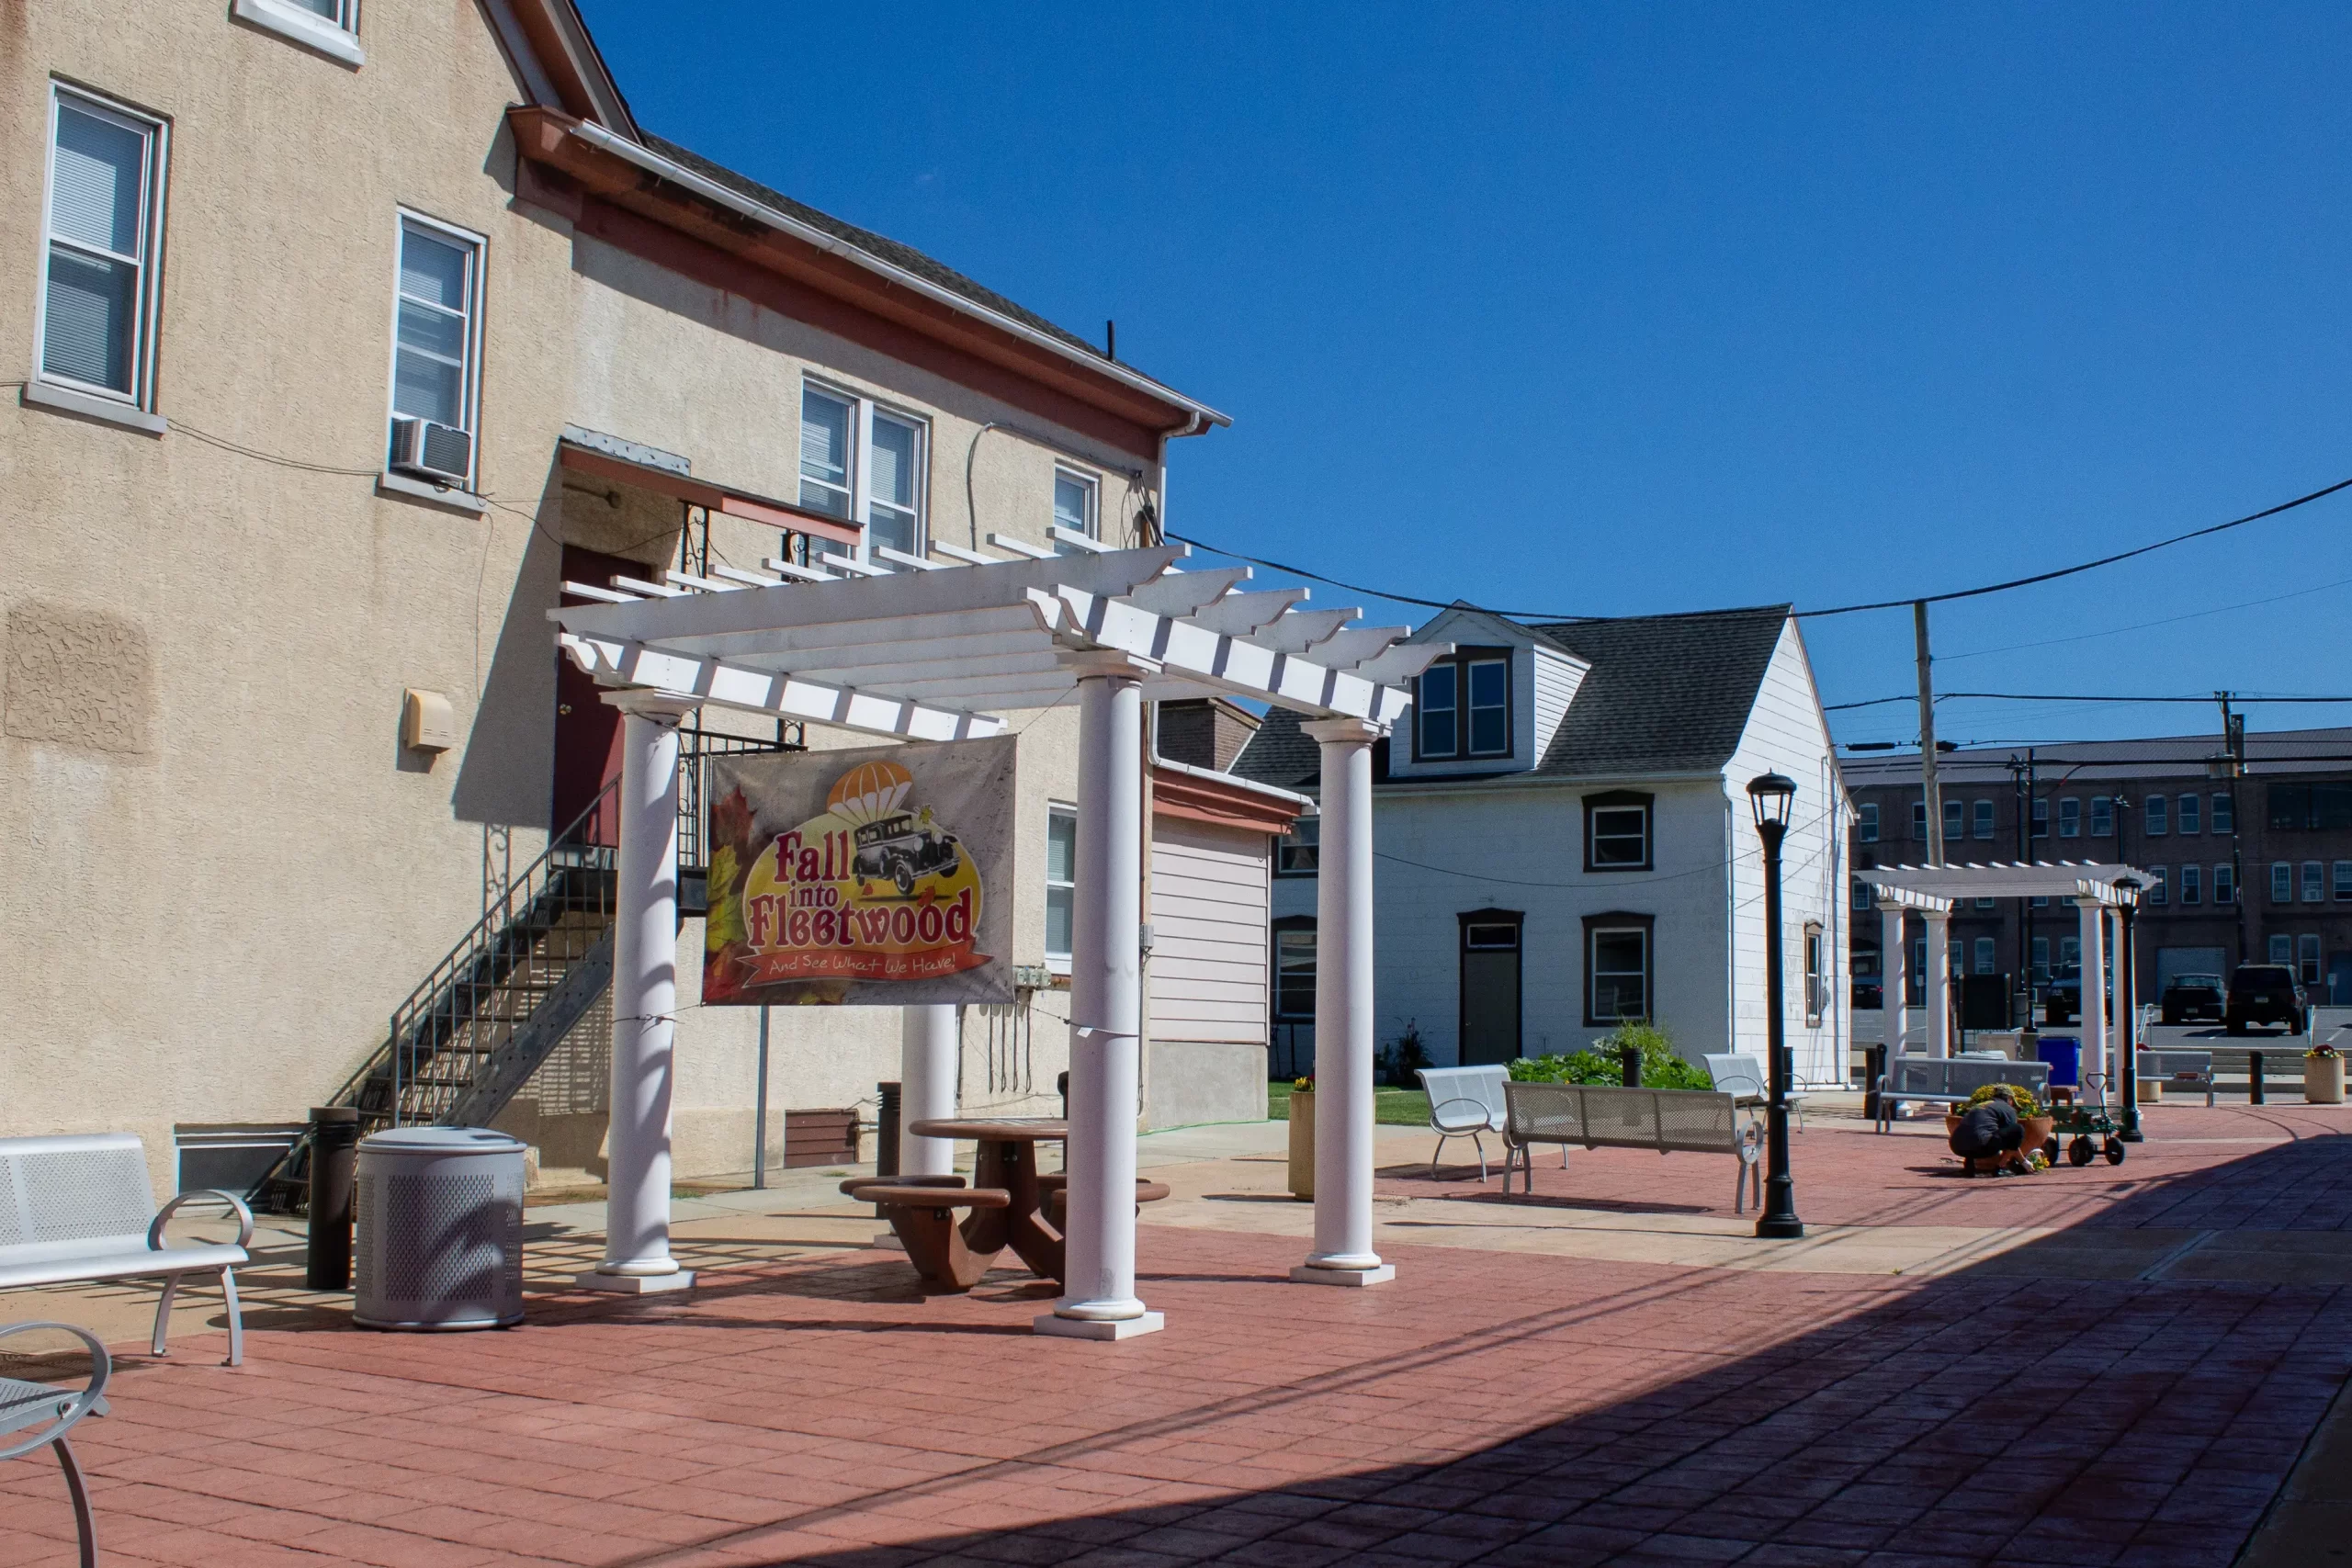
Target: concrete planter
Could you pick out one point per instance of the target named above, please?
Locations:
(2323, 1080)
(1302, 1144)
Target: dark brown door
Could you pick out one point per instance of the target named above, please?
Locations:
(587, 728)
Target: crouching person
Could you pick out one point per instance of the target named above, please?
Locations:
(1993, 1133)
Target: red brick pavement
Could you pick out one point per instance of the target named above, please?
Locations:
(1492, 1407)
(1847, 1177)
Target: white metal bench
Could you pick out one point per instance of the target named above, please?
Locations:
(2180, 1069)
(1744, 1078)
(39, 1414)
(1463, 1103)
(1599, 1116)
(1949, 1080)
(79, 1209)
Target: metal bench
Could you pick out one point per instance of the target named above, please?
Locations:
(1465, 1103)
(76, 1210)
(43, 1414)
(2177, 1069)
(1949, 1080)
(1744, 1078)
(1597, 1116)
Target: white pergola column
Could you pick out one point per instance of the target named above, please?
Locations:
(645, 1001)
(1344, 1016)
(927, 1043)
(2092, 970)
(1099, 1299)
(1894, 971)
(1938, 987)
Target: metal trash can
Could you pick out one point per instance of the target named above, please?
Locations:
(440, 1229)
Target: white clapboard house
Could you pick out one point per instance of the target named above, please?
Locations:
(1564, 839)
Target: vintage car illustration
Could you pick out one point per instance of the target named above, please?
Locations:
(898, 849)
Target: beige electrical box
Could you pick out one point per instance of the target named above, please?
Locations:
(426, 723)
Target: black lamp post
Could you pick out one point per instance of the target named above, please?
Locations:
(2127, 1006)
(1772, 795)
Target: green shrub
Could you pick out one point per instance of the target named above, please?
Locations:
(1661, 1068)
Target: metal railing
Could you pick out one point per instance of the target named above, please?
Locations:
(696, 748)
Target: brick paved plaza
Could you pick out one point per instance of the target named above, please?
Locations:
(2095, 1367)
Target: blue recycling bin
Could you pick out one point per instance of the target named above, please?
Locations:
(2065, 1058)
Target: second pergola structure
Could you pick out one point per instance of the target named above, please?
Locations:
(935, 651)
(2094, 890)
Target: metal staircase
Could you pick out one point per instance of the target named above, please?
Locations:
(484, 1019)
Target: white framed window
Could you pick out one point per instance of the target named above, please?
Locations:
(1866, 822)
(1919, 963)
(865, 464)
(1984, 956)
(1817, 979)
(2069, 950)
(1295, 969)
(1981, 826)
(1297, 854)
(1464, 704)
(2225, 816)
(2157, 881)
(1955, 823)
(2159, 817)
(2190, 893)
(1861, 894)
(2343, 882)
(2282, 882)
(436, 339)
(1078, 502)
(2307, 958)
(1617, 971)
(2282, 949)
(2226, 887)
(1061, 879)
(2103, 817)
(101, 223)
(2042, 819)
(2314, 882)
(2070, 817)
(1986, 903)
(2189, 810)
(330, 27)
(1956, 956)
(2042, 958)
(1617, 832)
(1919, 819)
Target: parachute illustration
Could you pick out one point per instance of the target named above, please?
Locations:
(869, 791)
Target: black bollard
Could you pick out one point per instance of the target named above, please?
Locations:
(1874, 1070)
(1629, 1058)
(334, 1152)
(885, 1131)
(2254, 1078)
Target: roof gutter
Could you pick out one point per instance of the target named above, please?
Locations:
(1199, 415)
(1305, 803)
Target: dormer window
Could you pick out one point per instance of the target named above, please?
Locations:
(1462, 705)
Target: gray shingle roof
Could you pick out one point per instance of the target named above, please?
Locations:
(878, 245)
(1666, 695)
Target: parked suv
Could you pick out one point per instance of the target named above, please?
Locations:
(2193, 995)
(2266, 993)
(2062, 1001)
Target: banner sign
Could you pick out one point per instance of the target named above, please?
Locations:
(878, 878)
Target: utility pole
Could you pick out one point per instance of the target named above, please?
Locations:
(2021, 788)
(1927, 736)
(2233, 748)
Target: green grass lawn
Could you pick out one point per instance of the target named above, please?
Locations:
(1396, 1107)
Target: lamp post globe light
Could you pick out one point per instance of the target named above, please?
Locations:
(2127, 1009)
(1772, 796)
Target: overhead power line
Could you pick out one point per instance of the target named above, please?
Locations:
(1904, 603)
(2055, 697)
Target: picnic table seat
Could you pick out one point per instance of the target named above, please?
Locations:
(922, 1210)
(44, 1413)
(1055, 1188)
(1465, 1103)
(1606, 1116)
(1745, 1079)
(78, 1209)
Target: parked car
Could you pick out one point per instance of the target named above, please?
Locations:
(2266, 993)
(1869, 995)
(2193, 995)
(2062, 1001)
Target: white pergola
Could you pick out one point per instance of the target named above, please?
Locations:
(1936, 890)
(933, 651)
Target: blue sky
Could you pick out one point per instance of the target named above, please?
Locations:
(1605, 309)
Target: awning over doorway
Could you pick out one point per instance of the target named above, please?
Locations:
(720, 499)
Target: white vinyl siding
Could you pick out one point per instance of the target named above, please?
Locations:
(1556, 677)
(1209, 909)
(103, 213)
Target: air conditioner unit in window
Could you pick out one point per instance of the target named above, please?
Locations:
(435, 451)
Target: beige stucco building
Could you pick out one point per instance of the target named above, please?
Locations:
(262, 251)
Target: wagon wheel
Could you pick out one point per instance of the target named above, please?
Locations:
(2079, 1152)
(2113, 1149)
(904, 875)
(2050, 1149)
